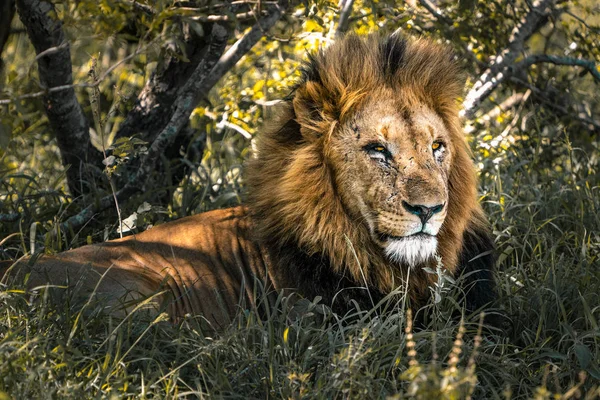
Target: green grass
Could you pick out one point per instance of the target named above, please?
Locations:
(544, 203)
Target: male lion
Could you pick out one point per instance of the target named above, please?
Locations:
(364, 179)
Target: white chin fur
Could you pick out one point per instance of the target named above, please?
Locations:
(411, 250)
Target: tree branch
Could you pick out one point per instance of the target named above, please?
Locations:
(135, 184)
(205, 76)
(65, 114)
(154, 107)
(497, 70)
(344, 21)
(435, 11)
(589, 65)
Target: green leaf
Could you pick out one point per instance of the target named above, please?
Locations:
(583, 354)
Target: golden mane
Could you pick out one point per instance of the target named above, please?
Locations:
(292, 194)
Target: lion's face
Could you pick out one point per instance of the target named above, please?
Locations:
(391, 164)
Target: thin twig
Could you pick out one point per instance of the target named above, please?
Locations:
(595, 29)
(267, 103)
(235, 127)
(96, 111)
(229, 5)
(202, 18)
(52, 50)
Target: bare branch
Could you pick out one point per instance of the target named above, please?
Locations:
(52, 50)
(154, 106)
(536, 59)
(345, 12)
(556, 60)
(242, 46)
(135, 184)
(227, 124)
(435, 11)
(65, 114)
(267, 103)
(208, 72)
(497, 70)
(229, 5)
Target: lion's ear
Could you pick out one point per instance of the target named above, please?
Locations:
(314, 111)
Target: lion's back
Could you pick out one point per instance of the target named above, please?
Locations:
(204, 264)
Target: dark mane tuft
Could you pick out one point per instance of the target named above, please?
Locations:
(309, 69)
(391, 53)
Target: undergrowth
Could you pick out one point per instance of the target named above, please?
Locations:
(546, 217)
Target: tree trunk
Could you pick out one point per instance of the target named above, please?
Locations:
(64, 112)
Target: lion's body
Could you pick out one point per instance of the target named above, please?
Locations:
(204, 264)
(362, 180)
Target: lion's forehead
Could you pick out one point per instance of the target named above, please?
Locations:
(395, 124)
(427, 118)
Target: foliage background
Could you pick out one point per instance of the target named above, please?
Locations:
(534, 139)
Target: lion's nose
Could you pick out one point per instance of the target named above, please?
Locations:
(423, 212)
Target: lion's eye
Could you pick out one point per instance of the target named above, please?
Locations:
(439, 149)
(378, 151)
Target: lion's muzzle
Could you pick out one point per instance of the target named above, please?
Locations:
(423, 212)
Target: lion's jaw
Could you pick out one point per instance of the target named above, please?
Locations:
(398, 182)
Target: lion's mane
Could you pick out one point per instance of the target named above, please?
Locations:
(293, 197)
